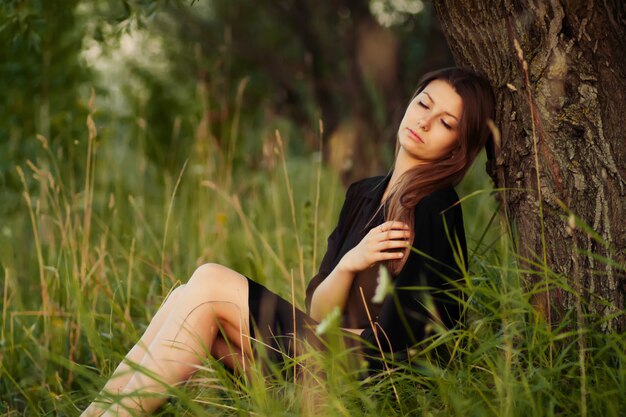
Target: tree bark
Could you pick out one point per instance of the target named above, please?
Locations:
(561, 106)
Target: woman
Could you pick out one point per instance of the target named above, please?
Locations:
(219, 310)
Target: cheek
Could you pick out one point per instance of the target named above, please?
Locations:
(452, 136)
(448, 140)
(399, 127)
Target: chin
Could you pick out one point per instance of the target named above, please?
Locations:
(409, 153)
(408, 144)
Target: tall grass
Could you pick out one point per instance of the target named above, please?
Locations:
(98, 254)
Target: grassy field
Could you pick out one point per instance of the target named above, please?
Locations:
(90, 257)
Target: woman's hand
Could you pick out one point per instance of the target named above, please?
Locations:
(374, 245)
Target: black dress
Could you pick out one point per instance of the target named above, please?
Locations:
(438, 222)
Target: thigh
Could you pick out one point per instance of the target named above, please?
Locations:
(228, 353)
(224, 292)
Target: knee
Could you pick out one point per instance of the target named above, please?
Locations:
(213, 282)
(176, 292)
(206, 276)
(210, 270)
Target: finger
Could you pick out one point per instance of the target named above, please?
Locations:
(394, 224)
(383, 256)
(394, 234)
(390, 230)
(392, 244)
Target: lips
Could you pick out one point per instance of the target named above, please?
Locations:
(415, 135)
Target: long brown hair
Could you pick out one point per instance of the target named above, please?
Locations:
(449, 170)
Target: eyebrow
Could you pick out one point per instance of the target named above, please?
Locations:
(448, 113)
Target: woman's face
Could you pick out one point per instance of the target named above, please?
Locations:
(430, 127)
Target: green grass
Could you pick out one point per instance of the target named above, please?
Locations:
(90, 259)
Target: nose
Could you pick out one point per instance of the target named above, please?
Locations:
(423, 123)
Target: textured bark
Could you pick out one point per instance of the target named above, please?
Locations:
(573, 102)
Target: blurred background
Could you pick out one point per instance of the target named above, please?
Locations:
(167, 76)
(208, 82)
(140, 139)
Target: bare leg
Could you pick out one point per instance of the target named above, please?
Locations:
(123, 372)
(214, 297)
(229, 354)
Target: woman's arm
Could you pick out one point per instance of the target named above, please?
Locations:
(423, 290)
(334, 242)
(333, 291)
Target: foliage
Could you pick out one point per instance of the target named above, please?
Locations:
(184, 71)
(123, 194)
(103, 255)
(39, 77)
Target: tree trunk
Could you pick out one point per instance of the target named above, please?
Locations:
(561, 109)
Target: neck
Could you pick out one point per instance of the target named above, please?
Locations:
(403, 163)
